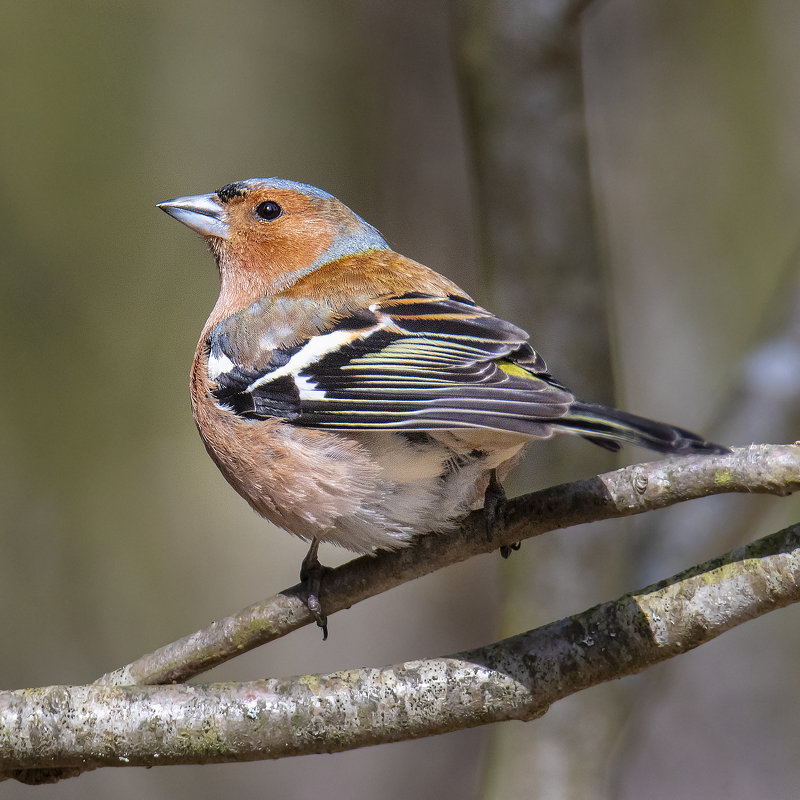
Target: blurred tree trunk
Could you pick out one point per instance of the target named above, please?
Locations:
(522, 87)
(692, 116)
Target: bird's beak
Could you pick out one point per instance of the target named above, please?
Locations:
(201, 212)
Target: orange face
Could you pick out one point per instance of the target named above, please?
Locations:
(279, 230)
(267, 233)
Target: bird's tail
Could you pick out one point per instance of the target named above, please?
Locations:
(609, 426)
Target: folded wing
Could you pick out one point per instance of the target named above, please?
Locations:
(414, 362)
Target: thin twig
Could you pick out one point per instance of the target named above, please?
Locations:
(518, 678)
(770, 469)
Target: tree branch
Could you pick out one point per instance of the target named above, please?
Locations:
(770, 469)
(518, 678)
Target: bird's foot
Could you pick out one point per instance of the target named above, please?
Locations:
(311, 574)
(506, 549)
(493, 504)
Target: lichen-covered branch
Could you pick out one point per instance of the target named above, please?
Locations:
(102, 725)
(772, 469)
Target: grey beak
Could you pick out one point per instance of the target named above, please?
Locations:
(203, 213)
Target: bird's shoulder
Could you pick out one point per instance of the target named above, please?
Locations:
(350, 299)
(380, 351)
(361, 279)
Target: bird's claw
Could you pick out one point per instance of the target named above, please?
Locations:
(493, 505)
(311, 574)
(505, 549)
(493, 502)
(315, 607)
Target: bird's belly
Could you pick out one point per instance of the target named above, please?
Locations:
(431, 479)
(363, 490)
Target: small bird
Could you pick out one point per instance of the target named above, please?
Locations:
(354, 396)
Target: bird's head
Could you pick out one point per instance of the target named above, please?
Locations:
(266, 233)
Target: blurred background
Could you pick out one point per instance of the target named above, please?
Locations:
(623, 180)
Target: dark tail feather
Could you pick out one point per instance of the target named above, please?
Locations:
(608, 426)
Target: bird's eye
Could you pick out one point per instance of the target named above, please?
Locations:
(268, 210)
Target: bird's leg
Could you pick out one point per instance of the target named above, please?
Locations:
(311, 572)
(494, 500)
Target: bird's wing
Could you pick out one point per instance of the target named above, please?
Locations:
(411, 362)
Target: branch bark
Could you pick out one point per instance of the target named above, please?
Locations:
(518, 678)
(764, 469)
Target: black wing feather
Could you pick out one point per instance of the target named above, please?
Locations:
(420, 363)
(412, 363)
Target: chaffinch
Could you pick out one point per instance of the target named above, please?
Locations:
(354, 396)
